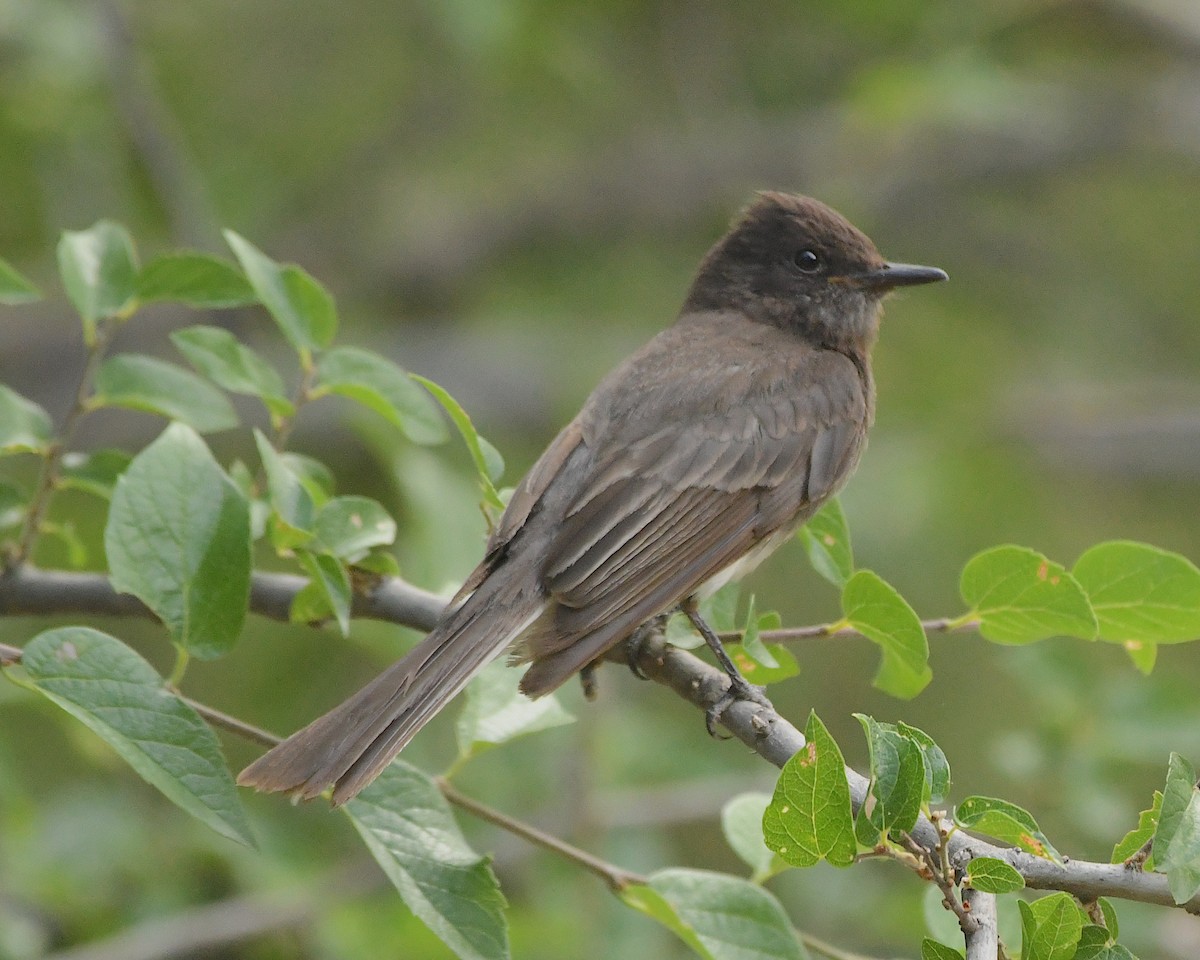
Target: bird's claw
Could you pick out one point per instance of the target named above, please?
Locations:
(636, 643)
(738, 689)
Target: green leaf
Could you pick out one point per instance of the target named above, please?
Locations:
(378, 562)
(292, 512)
(99, 271)
(1177, 794)
(809, 818)
(489, 465)
(826, 539)
(752, 646)
(14, 288)
(330, 576)
(117, 694)
(95, 473)
(1114, 951)
(409, 829)
(1141, 593)
(1110, 917)
(866, 834)
(13, 502)
(720, 917)
(990, 875)
(378, 384)
(937, 767)
(496, 711)
(1142, 654)
(138, 382)
(68, 536)
(719, 611)
(1177, 839)
(313, 475)
(742, 824)
(874, 608)
(198, 279)
(178, 539)
(301, 307)
(348, 527)
(933, 950)
(1137, 838)
(1019, 596)
(785, 667)
(230, 364)
(310, 605)
(1005, 821)
(24, 426)
(1092, 942)
(1050, 928)
(897, 776)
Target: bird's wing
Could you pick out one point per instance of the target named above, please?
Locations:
(523, 501)
(668, 509)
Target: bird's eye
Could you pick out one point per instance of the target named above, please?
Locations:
(807, 261)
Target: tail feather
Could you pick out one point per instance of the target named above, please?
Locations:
(351, 744)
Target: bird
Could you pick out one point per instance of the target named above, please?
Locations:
(689, 463)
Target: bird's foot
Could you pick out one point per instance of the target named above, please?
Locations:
(635, 645)
(738, 689)
(629, 651)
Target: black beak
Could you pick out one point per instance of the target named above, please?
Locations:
(892, 275)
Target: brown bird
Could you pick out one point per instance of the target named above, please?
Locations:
(688, 464)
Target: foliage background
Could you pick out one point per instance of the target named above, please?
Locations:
(509, 197)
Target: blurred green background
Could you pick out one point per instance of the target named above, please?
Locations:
(510, 196)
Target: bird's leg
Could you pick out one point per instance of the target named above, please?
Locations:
(739, 688)
(587, 680)
(637, 641)
(628, 652)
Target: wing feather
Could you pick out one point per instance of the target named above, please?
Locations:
(672, 496)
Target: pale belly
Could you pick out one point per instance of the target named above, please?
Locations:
(741, 567)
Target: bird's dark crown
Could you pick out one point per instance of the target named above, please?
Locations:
(782, 224)
(782, 262)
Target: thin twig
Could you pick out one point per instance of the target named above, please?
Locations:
(817, 945)
(824, 630)
(303, 394)
(226, 722)
(616, 878)
(52, 461)
(931, 869)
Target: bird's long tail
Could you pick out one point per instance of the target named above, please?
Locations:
(348, 747)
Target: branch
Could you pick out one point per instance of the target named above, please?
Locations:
(52, 459)
(28, 590)
(616, 878)
(983, 943)
(776, 740)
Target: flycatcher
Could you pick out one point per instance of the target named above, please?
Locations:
(688, 464)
